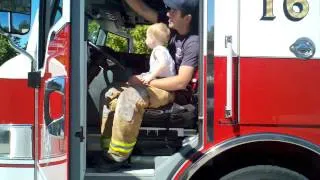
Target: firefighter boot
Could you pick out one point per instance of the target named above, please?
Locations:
(106, 164)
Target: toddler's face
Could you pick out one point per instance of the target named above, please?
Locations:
(150, 40)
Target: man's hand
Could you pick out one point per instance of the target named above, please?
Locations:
(147, 78)
(143, 10)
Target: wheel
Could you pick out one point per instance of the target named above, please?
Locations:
(263, 172)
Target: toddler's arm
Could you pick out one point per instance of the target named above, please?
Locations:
(162, 63)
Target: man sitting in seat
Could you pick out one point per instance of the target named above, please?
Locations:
(124, 105)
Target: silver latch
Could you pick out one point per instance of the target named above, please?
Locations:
(227, 39)
(303, 48)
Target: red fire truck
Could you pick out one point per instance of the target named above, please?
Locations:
(255, 114)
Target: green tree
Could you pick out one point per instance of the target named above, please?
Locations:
(139, 39)
(117, 43)
(6, 52)
(138, 34)
(93, 30)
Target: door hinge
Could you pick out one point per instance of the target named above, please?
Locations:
(79, 134)
(34, 79)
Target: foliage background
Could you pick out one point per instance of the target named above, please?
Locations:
(139, 38)
(6, 52)
(120, 44)
(138, 34)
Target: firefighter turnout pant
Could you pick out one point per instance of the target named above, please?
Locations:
(122, 113)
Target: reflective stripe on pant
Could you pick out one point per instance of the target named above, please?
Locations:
(129, 109)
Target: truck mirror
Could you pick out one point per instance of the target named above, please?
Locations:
(16, 6)
(15, 16)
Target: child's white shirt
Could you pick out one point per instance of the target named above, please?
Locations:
(169, 69)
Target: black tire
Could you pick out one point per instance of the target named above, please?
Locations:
(263, 172)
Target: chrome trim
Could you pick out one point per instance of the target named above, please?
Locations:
(4, 141)
(216, 150)
(52, 146)
(55, 126)
(16, 161)
(17, 139)
(36, 134)
(52, 132)
(24, 52)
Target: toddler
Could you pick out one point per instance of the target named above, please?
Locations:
(161, 62)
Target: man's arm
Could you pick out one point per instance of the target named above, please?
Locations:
(143, 10)
(173, 83)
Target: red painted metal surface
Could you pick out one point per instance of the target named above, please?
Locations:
(279, 91)
(56, 108)
(280, 87)
(269, 84)
(17, 102)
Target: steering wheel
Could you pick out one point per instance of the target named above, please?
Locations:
(106, 55)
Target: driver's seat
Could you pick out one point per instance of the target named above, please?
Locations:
(179, 114)
(164, 129)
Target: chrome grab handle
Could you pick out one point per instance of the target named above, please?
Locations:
(56, 84)
(228, 108)
(303, 48)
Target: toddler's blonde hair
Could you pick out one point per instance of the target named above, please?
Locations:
(159, 31)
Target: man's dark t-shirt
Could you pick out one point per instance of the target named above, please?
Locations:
(184, 49)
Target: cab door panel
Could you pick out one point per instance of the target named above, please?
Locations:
(275, 86)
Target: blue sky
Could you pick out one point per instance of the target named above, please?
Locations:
(210, 14)
(4, 19)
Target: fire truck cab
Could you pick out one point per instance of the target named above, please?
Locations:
(254, 111)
